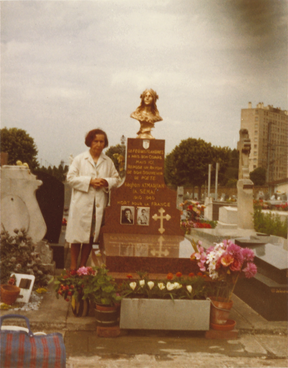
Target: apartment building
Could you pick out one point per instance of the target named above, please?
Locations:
(268, 132)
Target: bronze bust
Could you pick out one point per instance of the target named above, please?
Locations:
(147, 113)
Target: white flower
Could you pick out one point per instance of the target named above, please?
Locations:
(170, 286)
(161, 286)
(189, 288)
(177, 285)
(142, 283)
(133, 285)
(150, 284)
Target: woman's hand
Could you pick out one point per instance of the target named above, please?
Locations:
(98, 183)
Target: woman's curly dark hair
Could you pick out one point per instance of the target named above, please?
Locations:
(91, 135)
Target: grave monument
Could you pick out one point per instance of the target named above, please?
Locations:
(19, 206)
(141, 230)
(244, 184)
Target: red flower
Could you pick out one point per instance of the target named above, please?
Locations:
(191, 274)
(179, 274)
(199, 274)
(129, 276)
(73, 272)
(170, 276)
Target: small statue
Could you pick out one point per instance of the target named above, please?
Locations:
(244, 148)
(147, 113)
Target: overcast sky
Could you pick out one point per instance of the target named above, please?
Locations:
(72, 66)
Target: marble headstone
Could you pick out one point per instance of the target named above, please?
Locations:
(19, 206)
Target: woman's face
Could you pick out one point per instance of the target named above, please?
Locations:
(148, 99)
(98, 144)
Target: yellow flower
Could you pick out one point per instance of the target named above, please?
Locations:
(41, 290)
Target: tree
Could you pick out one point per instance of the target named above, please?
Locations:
(117, 155)
(258, 176)
(188, 163)
(19, 146)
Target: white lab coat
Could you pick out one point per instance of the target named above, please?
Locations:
(84, 196)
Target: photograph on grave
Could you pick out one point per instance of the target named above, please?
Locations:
(127, 215)
(142, 250)
(126, 250)
(143, 215)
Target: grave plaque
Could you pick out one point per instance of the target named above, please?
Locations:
(143, 204)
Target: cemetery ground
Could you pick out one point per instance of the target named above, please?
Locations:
(260, 343)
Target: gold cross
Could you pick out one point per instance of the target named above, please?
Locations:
(165, 252)
(161, 218)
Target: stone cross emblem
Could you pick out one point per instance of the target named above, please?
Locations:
(161, 218)
(160, 252)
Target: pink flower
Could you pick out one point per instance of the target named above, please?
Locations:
(236, 252)
(82, 271)
(248, 254)
(250, 270)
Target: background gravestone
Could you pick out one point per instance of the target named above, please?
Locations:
(50, 197)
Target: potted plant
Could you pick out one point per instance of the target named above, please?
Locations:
(102, 291)
(175, 303)
(225, 263)
(18, 255)
(9, 291)
(70, 285)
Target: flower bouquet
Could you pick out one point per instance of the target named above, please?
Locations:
(72, 283)
(225, 263)
(192, 216)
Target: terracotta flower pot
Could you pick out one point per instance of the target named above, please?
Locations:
(9, 293)
(107, 316)
(228, 326)
(220, 310)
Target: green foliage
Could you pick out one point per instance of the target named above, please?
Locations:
(58, 172)
(102, 289)
(269, 223)
(231, 183)
(18, 255)
(187, 164)
(117, 155)
(91, 283)
(258, 176)
(19, 146)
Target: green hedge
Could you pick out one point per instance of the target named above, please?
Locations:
(269, 223)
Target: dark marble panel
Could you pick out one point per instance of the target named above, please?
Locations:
(271, 259)
(265, 296)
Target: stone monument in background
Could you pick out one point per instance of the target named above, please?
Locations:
(244, 184)
(19, 206)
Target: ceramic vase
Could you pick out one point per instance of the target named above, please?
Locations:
(80, 308)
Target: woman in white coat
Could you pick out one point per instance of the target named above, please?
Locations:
(92, 174)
